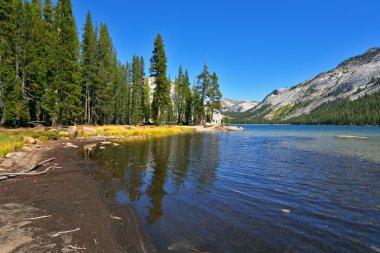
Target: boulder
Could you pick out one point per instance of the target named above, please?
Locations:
(26, 149)
(72, 131)
(89, 146)
(29, 140)
(208, 124)
(89, 131)
(233, 128)
(63, 133)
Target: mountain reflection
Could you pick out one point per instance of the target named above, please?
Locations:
(150, 170)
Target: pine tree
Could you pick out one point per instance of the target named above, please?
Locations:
(104, 77)
(146, 101)
(204, 82)
(66, 82)
(89, 68)
(161, 95)
(143, 105)
(214, 95)
(13, 103)
(188, 98)
(136, 90)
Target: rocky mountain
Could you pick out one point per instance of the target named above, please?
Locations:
(230, 105)
(351, 79)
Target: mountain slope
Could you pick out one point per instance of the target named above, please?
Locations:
(350, 80)
(230, 105)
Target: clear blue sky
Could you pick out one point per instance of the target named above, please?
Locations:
(254, 46)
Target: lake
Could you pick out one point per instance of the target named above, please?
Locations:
(270, 188)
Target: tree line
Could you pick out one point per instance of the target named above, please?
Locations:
(48, 75)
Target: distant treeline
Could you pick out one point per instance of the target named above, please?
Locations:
(342, 111)
(48, 75)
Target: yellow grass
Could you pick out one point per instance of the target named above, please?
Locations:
(140, 131)
(12, 139)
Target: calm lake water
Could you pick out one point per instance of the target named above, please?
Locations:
(267, 189)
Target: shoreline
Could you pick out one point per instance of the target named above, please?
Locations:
(64, 209)
(35, 208)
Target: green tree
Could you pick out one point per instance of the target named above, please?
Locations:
(188, 99)
(66, 75)
(214, 95)
(136, 90)
(89, 68)
(104, 77)
(161, 94)
(13, 102)
(146, 101)
(203, 84)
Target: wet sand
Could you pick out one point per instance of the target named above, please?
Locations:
(35, 208)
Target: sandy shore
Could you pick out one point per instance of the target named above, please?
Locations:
(33, 209)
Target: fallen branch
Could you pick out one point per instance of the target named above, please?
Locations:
(65, 232)
(40, 217)
(75, 247)
(115, 217)
(28, 173)
(39, 164)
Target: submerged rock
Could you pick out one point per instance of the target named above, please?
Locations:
(233, 128)
(351, 137)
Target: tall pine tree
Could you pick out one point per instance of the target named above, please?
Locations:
(89, 69)
(161, 95)
(66, 75)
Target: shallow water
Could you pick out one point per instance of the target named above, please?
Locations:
(267, 189)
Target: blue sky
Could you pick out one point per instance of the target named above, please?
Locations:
(253, 46)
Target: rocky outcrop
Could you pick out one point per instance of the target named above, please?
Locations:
(352, 78)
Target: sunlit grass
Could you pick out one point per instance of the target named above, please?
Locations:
(140, 131)
(13, 139)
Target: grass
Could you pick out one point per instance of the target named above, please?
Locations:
(140, 131)
(13, 139)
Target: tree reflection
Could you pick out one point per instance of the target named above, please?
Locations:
(158, 166)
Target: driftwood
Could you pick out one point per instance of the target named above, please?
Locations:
(40, 217)
(76, 247)
(27, 172)
(65, 232)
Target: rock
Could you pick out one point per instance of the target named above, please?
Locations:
(63, 133)
(285, 210)
(29, 140)
(72, 131)
(71, 145)
(207, 124)
(89, 131)
(351, 137)
(26, 149)
(15, 155)
(89, 146)
(106, 143)
(233, 128)
(102, 147)
(115, 144)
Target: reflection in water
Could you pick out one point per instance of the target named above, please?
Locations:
(226, 192)
(144, 168)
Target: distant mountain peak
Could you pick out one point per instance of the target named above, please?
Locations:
(353, 78)
(231, 105)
